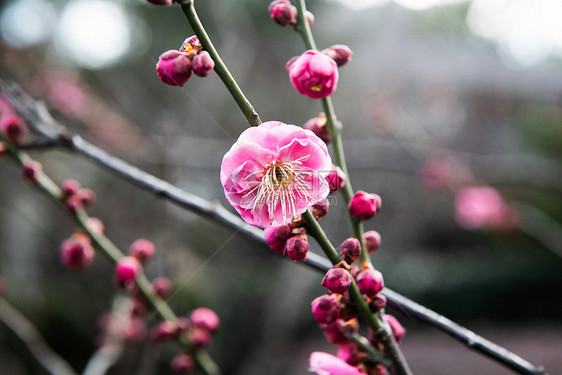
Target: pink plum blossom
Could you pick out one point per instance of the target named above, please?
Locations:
(326, 364)
(482, 206)
(314, 74)
(275, 171)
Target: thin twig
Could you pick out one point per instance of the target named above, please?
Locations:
(27, 333)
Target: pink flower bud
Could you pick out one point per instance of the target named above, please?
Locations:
(326, 309)
(483, 206)
(163, 331)
(162, 287)
(87, 196)
(327, 364)
(378, 302)
(335, 179)
(95, 225)
(397, 329)
(174, 68)
(205, 318)
(364, 205)
(142, 249)
(314, 74)
(370, 282)
(139, 307)
(340, 53)
(13, 128)
(202, 64)
(73, 203)
(70, 187)
(135, 331)
(351, 249)
(276, 236)
(165, 3)
(296, 248)
(77, 252)
(192, 46)
(283, 12)
(348, 353)
(199, 337)
(372, 241)
(127, 270)
(318, 125)
(320, 208)
(338, 331)
(182, 364)
(32, 170)
(337, 280)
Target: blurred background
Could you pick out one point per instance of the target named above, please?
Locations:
(441, 95)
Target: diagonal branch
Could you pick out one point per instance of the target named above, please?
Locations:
(39, 119)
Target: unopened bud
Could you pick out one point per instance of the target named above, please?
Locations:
(283, 12)
(351, 249)
(163, 331)
(318, 125)
(309, 18)
(372, 241)
(337, 280)
(127, 270)
(340, 53)
(378, 302)
(320, 208)
(77, 252)
(370, 282)
(192, 46)
(339, 331)
(32, 170)
(142, 249)
(276, 236)
(326, 309)
(174, 68)
(73, 203)
(13, 128)
(335, 179)
(205, 318)
(397, 329)
(202, 64)
(296, 248)
(182, 364)
(95, 225)
(199, 337)
(87, 196)
(162, 287)
(70, 187)
(364, 205)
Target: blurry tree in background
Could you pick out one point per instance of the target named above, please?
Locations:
(456, 94)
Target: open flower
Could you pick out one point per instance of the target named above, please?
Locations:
(274, 172)
(326, 364)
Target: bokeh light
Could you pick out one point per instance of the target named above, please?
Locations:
(24, 23)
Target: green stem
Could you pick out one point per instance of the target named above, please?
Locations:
(303, 27)
(188, 8)
(334, 128)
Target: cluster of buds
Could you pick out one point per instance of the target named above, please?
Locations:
(75, 196)
(338, 317)
(175, 67)
(283, 13)
(291, 239)
(198, 329)
(129, 267)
